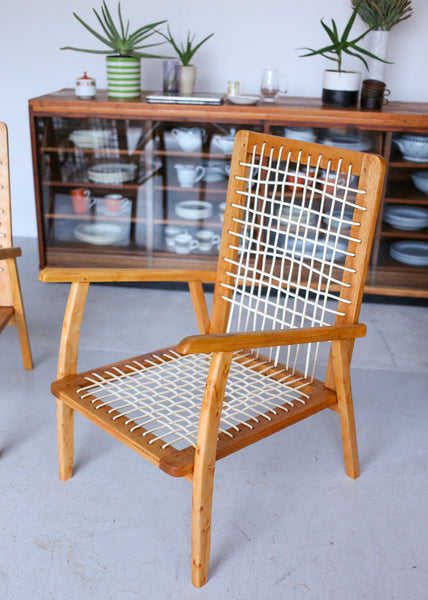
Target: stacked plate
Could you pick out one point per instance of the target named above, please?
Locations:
(348, 141)
(410, 252)
(99, 233)
(112, 173)
(90, 138)
(408, 218)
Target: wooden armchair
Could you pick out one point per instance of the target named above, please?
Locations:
(294, 252)
(11, 305)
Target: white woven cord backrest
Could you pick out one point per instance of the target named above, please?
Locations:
(291, 235)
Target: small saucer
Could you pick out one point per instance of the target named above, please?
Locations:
(244, 99)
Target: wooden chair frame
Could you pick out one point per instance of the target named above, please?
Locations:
(221, 344)
(12, 308)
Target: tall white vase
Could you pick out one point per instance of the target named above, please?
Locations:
(186, 80)
(378, 45)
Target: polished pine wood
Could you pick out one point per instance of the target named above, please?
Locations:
(198, 464)
(12, 308)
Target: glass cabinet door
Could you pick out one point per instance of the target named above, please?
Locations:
(93, 176)
(132, 189)
(190, 190)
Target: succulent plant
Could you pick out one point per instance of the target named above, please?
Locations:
(184, 53)
(341, 44)
(117, 37)
(383, 14)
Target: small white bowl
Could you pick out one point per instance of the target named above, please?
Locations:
(194, 210)
(420, 179)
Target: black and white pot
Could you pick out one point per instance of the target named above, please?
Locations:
(341, 88)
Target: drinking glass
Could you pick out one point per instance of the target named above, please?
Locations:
(270, 86)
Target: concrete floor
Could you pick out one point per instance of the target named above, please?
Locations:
(287, 522)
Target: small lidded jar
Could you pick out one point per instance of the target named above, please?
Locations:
(85, 86)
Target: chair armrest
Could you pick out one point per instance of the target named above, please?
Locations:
(13, 252)
(70, 275)
(230, 342)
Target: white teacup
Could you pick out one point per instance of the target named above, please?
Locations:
(184, 243)
(189, 138)
(235, 88)
(170, 232)
(207, 239)
(188, 175)
(114, 203)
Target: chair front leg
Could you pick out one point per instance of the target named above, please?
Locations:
(340, 353)
(203, 473)
(67, 365)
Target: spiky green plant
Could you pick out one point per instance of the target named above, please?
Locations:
(340, 44)
(383, 14)
(117, 37)
(184, 52)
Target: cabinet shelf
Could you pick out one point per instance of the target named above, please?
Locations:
(59, 166)
(391, 232)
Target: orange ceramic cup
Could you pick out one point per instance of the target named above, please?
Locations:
(81, 200)
(114, 202)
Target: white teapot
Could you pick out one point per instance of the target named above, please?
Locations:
(225, 142)
(189, 139)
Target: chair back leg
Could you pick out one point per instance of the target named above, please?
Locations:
(20, 320)
(340, 353)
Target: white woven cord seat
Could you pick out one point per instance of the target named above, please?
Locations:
(295, 246)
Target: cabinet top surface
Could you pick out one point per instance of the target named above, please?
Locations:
(292, 110)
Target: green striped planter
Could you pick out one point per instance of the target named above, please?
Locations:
(123, 77)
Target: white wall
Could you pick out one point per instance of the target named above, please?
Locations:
(249, 35)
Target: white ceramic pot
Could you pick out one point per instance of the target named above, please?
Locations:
(341, 88)
(225, 142)
(186, 80)
(189, 139)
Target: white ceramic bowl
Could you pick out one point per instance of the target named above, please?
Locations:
(420, 179)
(194, 209)
(408, 218)
(303, 134)
(413, 146)
(348, 141)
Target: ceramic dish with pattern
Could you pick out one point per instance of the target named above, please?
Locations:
(194, 210)
(112, 173)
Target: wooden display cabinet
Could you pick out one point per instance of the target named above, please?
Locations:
(132, 150)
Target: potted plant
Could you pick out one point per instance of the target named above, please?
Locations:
(124, 50)
(381, 16)
(187, 72)
(340, 88)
